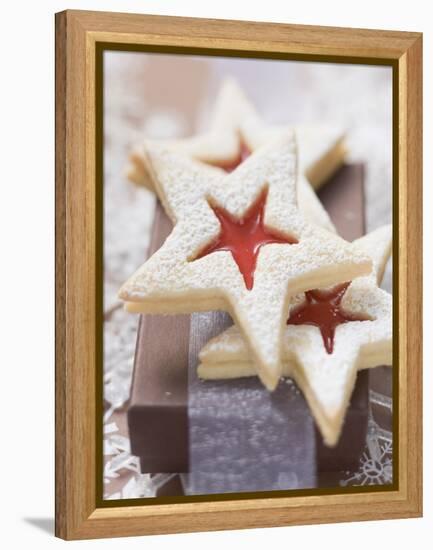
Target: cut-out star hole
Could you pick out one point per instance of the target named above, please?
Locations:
(230, 166)
(322, 309)
(244, 237)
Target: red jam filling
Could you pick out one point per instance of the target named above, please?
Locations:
(322, 309)
(244, 237)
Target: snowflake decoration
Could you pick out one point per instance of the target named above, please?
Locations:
(375, 466)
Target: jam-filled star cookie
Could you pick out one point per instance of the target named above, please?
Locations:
(236, 130)
(239, 244)
(330, 335)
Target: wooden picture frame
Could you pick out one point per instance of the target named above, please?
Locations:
(80, 40)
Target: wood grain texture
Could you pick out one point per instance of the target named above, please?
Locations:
(244, 35)
(75, 281)
(77, 33)
(60, 238)
(410, 274)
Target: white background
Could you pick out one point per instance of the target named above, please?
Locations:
(27, 269)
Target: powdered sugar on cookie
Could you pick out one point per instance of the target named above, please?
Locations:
(173, 280)
(236, 129)
(327, 379)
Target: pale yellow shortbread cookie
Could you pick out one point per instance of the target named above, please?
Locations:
(327, 380)
(235, 124)
(176, 279)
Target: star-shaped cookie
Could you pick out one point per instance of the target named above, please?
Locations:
(236, 130)
(289, 255)
(324, 369)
